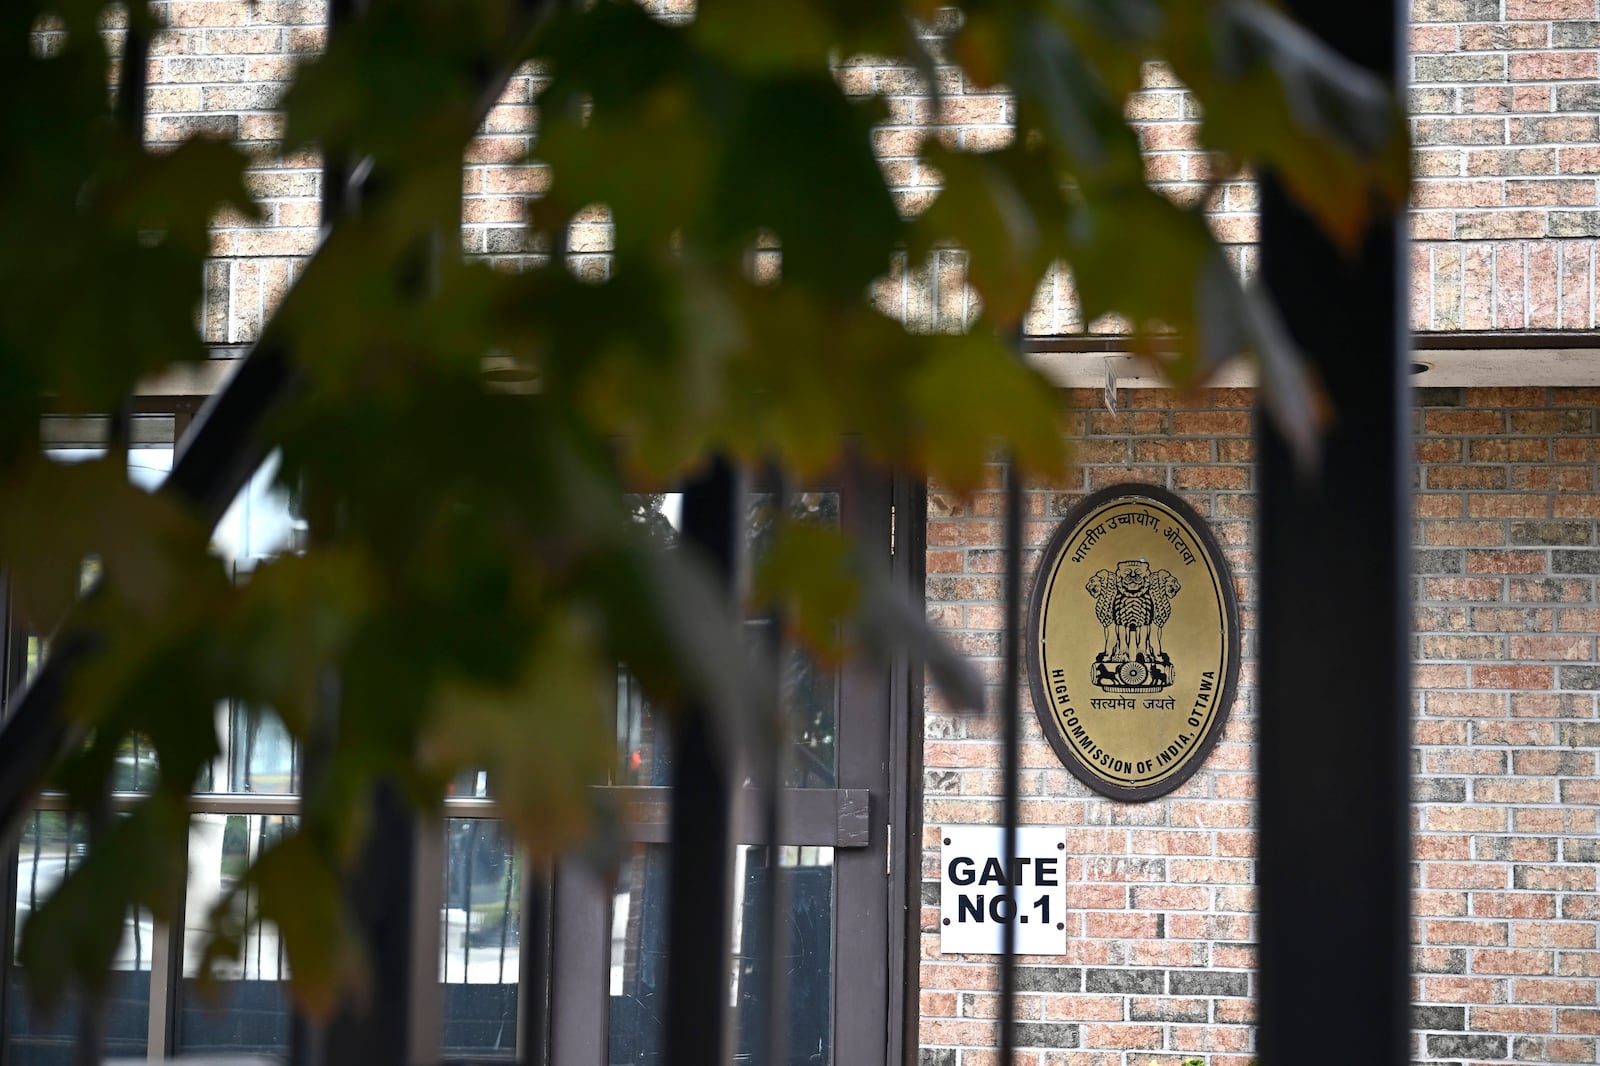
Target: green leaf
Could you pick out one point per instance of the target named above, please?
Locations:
(794, 142)
(1276, 97)
(972, 394)
(544, 740)
(809, 573)
(144, 544)
(293, 885)
(1008, 211)
(136, 861)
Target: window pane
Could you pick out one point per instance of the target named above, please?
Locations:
(638, 955)
(52, 843)
(481, 939)
(810, 691)
(260, 523)
(247, 1009)
(258, 756)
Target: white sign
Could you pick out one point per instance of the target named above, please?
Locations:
(978, 896)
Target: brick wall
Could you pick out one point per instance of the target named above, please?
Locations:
(219, 69)
(1159, 958)
(1504, 107)
(1504, 98)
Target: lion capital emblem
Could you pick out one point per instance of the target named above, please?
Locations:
(1132, 605)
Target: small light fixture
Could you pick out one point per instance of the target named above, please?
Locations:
(1419, 367)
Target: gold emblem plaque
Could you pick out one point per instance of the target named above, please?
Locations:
(1135, 642)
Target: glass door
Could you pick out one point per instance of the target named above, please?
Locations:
(830, 873)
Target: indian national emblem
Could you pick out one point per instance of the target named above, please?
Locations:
(1132, 606)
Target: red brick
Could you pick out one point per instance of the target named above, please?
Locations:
(1502, 790)
(1463, 534)
(1511, 620)
(1513, 962)
(1468, 934)
(1089, 897)
(1182, 954)
(1443, 989)
(1506, 562)
(1466, 875)
(1512, 677)
(1510, 1019)
(1473, 420)
(1084, 1008)
(1445, 904)
(1465, 477)
(1553, 991)
(1211, 423)
(1578, 935)
(1572, 1020)
(1509, 450)
(1121, 925)
(1465, 704)
(1508, 505)
(1552, 648)
(1122, 1036)
(1550, 9)
(1521, 905)
(1514, 732)
(1438, 450)
(1552, 66)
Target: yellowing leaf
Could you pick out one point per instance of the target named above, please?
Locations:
(544, 742)
(971, 396)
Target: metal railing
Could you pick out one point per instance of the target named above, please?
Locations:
(167, 952)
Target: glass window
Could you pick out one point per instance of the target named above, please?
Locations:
(52, 843)
(810, 691)
(639, 942)
(260, 523)
(481, 939)
(258, 755)
(247, 1008)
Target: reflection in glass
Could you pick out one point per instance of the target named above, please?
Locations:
(481, 939)
(660, 513)
(52, 844)
(247, 1008)
(260, 523)
(642, 749)
(258, 755)
(638, 955)
(809, 691)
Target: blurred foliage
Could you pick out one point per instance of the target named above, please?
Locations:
(474, 576)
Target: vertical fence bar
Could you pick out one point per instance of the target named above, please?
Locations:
(1010, 710)
(1334, 629)
(166, 972)
(773, 937)
(380, 894)
(699, 888)
(425, 997)
(533, 973)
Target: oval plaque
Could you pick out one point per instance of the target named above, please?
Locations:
(1135, 633)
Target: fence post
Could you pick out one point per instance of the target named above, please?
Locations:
(1334, 705)
(699, 888)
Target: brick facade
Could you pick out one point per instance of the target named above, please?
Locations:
(1504, 98)
(1160, 926)
(1505, 124)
